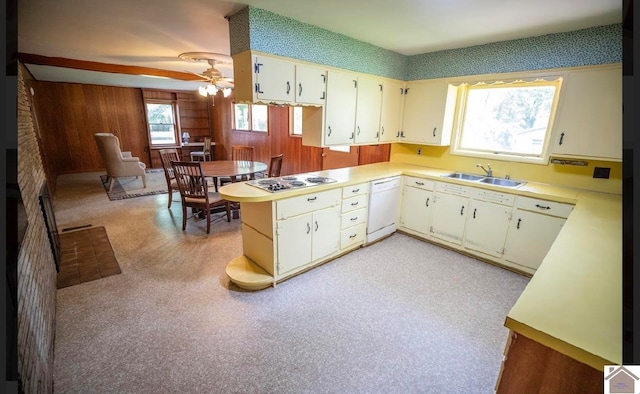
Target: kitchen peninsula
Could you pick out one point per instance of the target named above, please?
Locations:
(573, 302)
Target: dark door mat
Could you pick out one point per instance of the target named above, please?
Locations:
(85, 255)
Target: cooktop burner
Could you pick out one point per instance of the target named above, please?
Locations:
(288, 182)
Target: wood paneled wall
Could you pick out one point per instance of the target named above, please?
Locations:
(69, 114)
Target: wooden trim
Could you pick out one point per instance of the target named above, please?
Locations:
(28, 58)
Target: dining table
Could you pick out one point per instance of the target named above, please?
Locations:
(231, 169)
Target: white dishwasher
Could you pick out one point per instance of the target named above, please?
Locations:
(384, 197)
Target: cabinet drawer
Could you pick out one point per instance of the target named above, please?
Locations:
(354, 203)
(355, 190)
(452, 188)
(352, 236)
(493, 196)
(546, 207)
(306, 203)
(420, 183)
(353, 218)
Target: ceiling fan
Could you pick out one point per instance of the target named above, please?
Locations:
(212, 75)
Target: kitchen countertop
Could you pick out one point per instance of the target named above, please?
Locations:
(573, 303)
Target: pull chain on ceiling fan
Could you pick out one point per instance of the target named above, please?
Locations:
(212, 74)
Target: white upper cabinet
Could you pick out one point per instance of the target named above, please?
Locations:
(589, 115)
(368, 105)
(269, 79)
(311, 85)
(340, 108)
(391, 111)
(428, 113)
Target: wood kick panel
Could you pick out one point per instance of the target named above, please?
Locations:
(530, 367)
(69, 114)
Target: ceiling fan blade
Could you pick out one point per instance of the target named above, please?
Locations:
(204, 77)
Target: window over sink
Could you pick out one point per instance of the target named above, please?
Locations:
(507, 120)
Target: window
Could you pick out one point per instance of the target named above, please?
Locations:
(509, 119)
(295, 121)
(162, 124)
(251, 117)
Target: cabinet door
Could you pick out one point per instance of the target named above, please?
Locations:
(311, 85)
(530, 237)
(391, 111)
(294, 242)
(274, 79)
(326, 232)
(590, 114)
(428, 113)
(416, 209)
(487, 226)
(448, 217)
(368, 103)
(340, 108)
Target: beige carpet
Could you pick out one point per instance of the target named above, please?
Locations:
(130, 187)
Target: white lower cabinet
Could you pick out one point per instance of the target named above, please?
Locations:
(449, 212)
(353, 223)
(488, 221)
(535, 224)
(417, 200)
(306, 238)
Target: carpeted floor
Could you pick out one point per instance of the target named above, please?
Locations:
(399, 316)
(85, 255)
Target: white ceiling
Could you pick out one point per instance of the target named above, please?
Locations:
(152, 33)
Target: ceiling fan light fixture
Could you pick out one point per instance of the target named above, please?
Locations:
(226, 92)
(203, 91)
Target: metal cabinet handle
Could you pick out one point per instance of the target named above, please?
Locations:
(419, 183)
(311, 199)
(288, 87)
(358, 130)
(355, 190)
(257, 88)
(462, 210)
(474, 212)
(329, 128)
(316, 225)
(353, 204)
(434, 131)
(353, 236)
(351, 136)
(542, 206)
(427, 203)
(256, 67)
(355, 83)
(353, 219)
(308, 227)
(561, 138)
(518, 225)
(322, 97)
(381, 129)
(299, 89)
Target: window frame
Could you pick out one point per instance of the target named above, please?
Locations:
(176, 123)
(250, 120)
(525, 81)
(292, 133)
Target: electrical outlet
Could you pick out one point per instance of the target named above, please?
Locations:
(419, 151)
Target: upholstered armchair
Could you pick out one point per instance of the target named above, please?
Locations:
(118, 164)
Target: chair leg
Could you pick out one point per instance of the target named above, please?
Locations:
(170, 196)
(215, 183)
(184, 217)
(208, 219)
(228, 211)
(111, 182)
(144, 181)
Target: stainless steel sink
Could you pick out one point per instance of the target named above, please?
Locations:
(484, 179)
(466, 177)
(501, 182)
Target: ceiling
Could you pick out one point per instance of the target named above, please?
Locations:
(152, 33)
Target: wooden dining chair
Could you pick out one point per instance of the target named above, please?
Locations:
(275, 165)
(167, 156)
(242, 153)
(194, 192)
(204, 154)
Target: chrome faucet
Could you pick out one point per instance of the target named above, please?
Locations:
(489, 171)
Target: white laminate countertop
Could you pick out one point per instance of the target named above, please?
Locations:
(573, 303)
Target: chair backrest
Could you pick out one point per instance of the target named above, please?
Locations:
(190, 179)
(242, 153)
(275, 165)
(207, 146)
(167, 156)
(109, 148)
